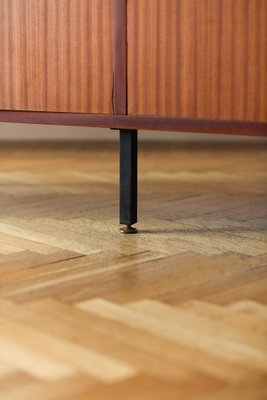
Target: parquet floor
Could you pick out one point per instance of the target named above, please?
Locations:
(176, 312)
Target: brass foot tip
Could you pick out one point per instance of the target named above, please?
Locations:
(128, 229)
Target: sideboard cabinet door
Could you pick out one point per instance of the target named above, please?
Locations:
(198, 59)
(57, 55)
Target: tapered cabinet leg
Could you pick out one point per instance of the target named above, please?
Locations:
(128, 180)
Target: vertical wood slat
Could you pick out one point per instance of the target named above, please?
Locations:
(57, 55)
(198, 59)
(120, 71)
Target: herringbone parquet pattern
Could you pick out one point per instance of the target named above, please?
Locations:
(176, 312)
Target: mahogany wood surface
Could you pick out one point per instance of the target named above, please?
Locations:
(120, 70)
(71, 68)
(137, 122)
(204, 59)
(57, 55)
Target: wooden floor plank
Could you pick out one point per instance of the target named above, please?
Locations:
(177, 311)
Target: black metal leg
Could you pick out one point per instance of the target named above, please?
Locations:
(128, 179)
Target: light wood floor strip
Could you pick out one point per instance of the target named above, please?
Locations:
(178, 311)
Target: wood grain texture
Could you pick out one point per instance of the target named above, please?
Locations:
(202, 59)
(57, 55)
(137, 122)
(178, 311)
(120, 73)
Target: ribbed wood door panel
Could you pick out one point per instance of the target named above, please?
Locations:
(57, 55)
(198, 59)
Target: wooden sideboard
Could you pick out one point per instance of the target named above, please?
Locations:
(180, 65)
